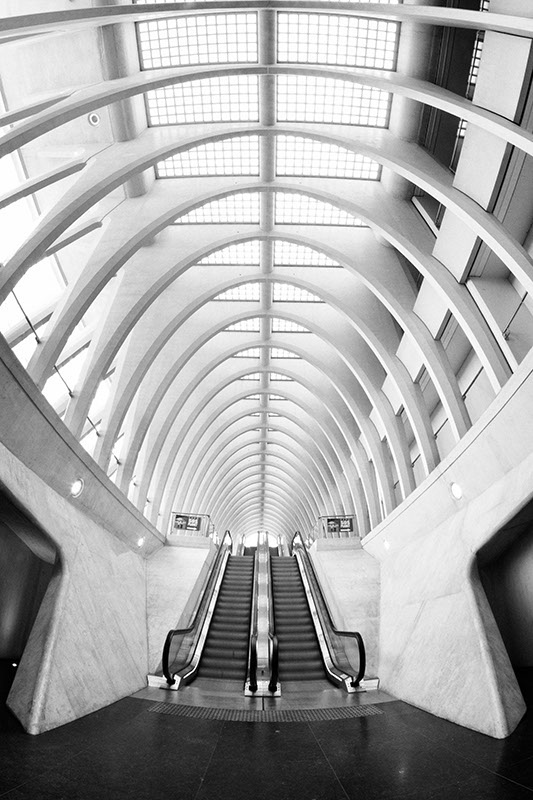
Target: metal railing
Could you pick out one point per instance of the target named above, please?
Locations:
(343, 652)
(183, 646)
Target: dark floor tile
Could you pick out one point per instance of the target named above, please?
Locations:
(485, 751)
(521, 773)
(24, 756)
(268, 741)
(483, 787)
(249, 777)
(376, 769)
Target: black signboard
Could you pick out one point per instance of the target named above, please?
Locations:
(186, 522)
(339, 525)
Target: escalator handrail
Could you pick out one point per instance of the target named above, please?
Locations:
(201, 606)
(300, 546)
(274, 653)
(252, 657)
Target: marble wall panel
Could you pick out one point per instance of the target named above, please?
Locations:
(175, 577)
(88, 646)
(350, 580)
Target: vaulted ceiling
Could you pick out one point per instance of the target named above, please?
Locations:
(267, 261)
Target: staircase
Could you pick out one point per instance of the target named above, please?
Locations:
(299, 653)
(225, 653)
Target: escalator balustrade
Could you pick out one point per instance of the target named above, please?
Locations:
(299, 653)
(225, 653)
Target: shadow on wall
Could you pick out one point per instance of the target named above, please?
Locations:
(28, 560)
(506, 571)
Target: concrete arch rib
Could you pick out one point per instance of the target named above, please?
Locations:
(92, 98)
(298, 419)
(289, 452)
(238, 495)
(296, 445)
(456, 295)
(172, 476)
(329, 365)
(415, 410)
(229, 464)
(197, 452)
(432, 178)
(67, 19)
(330, 400)
(237, 483)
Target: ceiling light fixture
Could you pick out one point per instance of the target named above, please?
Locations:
(77, 487)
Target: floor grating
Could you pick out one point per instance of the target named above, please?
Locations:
(289, 715)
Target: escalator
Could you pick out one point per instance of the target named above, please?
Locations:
(225, 653)
(300, 658)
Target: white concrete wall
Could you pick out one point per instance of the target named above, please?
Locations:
(174, 580)
(88, 646)
(440, 647)
(350, 580)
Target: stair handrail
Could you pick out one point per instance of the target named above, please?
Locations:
(325, 619)
(199, 612)
(274, 644)
(251, 682)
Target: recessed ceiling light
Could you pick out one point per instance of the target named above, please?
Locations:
(94, 119)
(456, 491)
(77, 487)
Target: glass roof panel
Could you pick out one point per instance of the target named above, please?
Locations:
(242, 254)
(228, 98)
(251, 352)
(277, 376)
(276, 397)
(337, 40)
(246, 325)
(290, 254)
(247, 291)
(303, 157)
(199, 39)
(301, 209)
(287, 326)
(303, 98)
(251, 376)
(240, 208)
(287, 293)
(236, 156)
(280, 352)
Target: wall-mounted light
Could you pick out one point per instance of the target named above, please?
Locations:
(386, 544)
(140, 541)
(77, 487)
(93, 119)
(456, 491)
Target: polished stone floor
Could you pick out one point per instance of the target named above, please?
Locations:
(128, 751)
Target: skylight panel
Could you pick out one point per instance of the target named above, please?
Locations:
(303, 157)
(228, 98)
(277, 376)
(251, 376)
(303, 98)
(280, 352)
(287, 293)
(199, 39)
(240, 208)
(287, 326)
(236, 156)
(246, 326)
(337, 40)
(276, 397)
(290, 254)
(252, 397)
(247, 291)
(239, 255)
(252, 352)
(301, 209)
